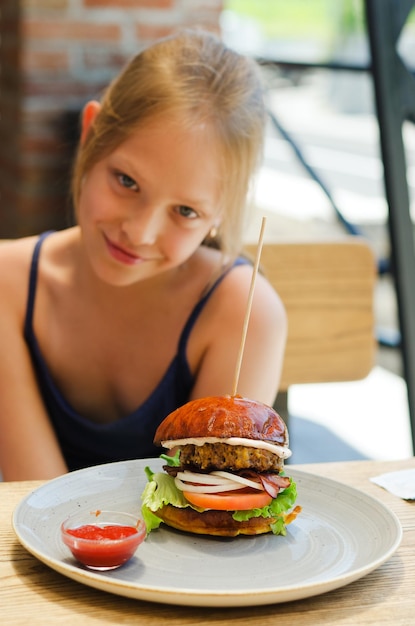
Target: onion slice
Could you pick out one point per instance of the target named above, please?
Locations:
(239, 479)
(215, 482)
(202, 479)
(192, 488)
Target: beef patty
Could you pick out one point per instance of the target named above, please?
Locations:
(222, 456)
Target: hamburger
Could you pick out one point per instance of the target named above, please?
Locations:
(224, 472)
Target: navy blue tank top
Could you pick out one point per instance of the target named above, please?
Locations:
(85, 443)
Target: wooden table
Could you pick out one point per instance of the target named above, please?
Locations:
(31, 593)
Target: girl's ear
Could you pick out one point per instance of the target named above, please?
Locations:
(89, 113)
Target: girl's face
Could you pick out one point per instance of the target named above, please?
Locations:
(147, 206)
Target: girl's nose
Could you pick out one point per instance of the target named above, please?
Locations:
(143, 227)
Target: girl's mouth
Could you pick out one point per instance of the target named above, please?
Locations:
(122, 255)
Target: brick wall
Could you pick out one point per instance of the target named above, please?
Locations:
(54, 56)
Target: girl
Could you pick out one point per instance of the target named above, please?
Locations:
(109, 325)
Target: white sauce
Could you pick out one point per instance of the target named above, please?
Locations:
(281, 451)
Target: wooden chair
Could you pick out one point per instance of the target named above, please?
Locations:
(328, 290)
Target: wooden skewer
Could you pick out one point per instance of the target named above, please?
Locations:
(248, 308)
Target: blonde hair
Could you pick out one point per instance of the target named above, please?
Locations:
(191, 74)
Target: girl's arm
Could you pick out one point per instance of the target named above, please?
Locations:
(28, 446)
(222, 321)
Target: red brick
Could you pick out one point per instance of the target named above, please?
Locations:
(9, 24)
(41, 146)
(45, 5)
(104, 57)
(68, 30)
(130, 4)
(45, 61)
(35, 215)
(61, 90)
(206, 24)
(9, 110)
(149, 32)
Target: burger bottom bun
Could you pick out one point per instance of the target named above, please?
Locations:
(218, 523)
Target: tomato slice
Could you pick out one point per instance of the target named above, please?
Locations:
(241, 500)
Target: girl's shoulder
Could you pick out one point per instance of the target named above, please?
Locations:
(15, 260)
(16, 257)
(232, 284)
(16, 247)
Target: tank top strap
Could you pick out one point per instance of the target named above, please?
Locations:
(200, 305)
(33, 282)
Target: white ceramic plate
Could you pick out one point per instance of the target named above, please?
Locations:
(340, 536)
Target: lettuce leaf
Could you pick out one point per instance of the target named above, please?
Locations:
(160, 490)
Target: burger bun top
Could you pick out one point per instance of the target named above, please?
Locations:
(223, 417)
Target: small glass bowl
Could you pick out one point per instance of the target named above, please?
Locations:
(103, 540)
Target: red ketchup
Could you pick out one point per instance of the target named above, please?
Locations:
(104, 546)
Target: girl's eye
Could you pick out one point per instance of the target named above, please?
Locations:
(127, 182)
(187, 212)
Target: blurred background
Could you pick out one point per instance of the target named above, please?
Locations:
(322, 174)
(323, 177)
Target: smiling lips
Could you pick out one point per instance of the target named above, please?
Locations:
(121, 255)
